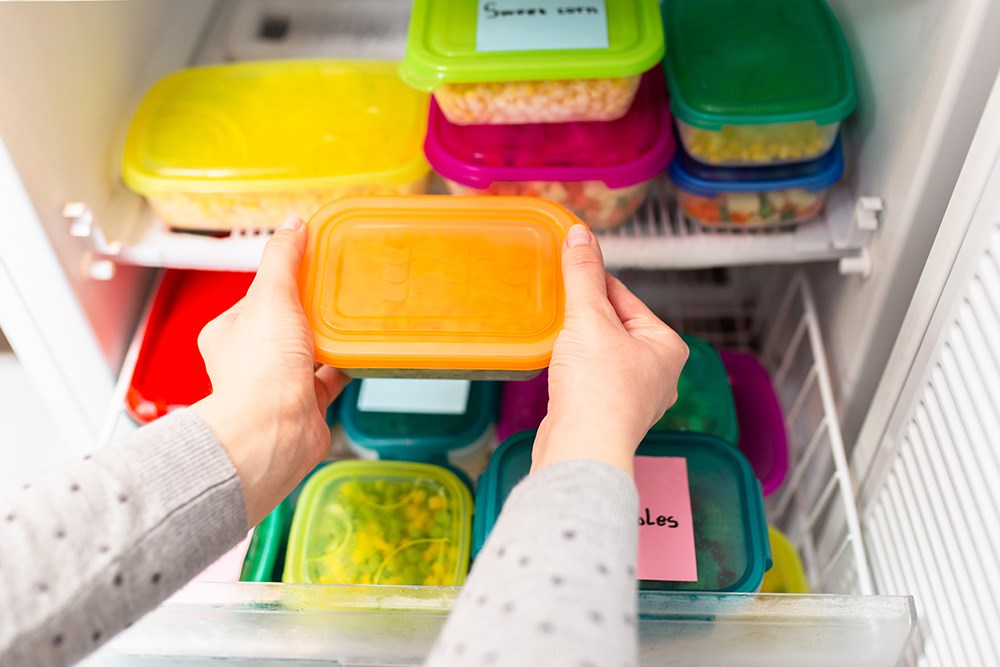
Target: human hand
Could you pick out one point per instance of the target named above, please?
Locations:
(614, 368)
(269, 398)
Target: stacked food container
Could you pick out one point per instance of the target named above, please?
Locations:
(758, 91)
(539, 121)
(549, 106)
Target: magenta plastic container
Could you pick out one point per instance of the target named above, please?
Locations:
(763, 438)
(601, 171)
(523, 405)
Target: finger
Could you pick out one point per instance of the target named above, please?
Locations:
(630, 309)
(583, 274)
(232, 312)
(330, 382)
(283, 253)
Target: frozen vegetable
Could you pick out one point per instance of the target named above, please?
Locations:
(388, 532)
(593, 201)
(513, 102)
(753, 208)
(758, 144)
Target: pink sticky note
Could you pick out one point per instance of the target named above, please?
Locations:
(666, 531)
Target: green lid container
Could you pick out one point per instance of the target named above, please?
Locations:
(441, 47)
(727, 506)
(266, 553)
(401, 423)
(733, 62)
(705, 401)
(381, 522)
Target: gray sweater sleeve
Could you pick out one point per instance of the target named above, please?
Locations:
(90, 548)
(555, 583)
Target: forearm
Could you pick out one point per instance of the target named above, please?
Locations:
(555, 583)
(92, 547)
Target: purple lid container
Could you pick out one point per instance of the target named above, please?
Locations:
(523, 405)
(620, 153)
(763, 438)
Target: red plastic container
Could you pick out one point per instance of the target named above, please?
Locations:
(763, 437)
(523, 405)
(169, 372)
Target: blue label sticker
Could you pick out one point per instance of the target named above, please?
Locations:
(541, 25)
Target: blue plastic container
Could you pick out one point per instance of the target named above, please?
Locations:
(754, 196)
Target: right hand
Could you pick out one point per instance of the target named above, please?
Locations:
(614, 367)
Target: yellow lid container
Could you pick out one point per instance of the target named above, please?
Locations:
(380, 522)
(435, 286)
(247, 144)
(786, 575)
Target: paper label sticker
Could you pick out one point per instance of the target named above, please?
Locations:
(666, 530)
(541, 25)
(426, 397)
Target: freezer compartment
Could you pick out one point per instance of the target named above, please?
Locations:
(353, 625)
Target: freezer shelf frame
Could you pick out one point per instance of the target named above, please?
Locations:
(397, 625)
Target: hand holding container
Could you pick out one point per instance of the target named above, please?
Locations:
(554, 82)
(447, 287)
(245, 145)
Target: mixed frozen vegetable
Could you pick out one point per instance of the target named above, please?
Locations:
(758, 144)
(387, 532)
(779, 207)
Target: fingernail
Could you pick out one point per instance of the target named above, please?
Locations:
(292, 223)
(578, 235)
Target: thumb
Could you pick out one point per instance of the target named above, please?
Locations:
(282, 255)
(583, 273)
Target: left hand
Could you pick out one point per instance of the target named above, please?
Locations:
(269, 398)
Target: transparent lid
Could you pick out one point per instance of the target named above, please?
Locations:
(432, 282)
(756, 63)
(380, 522)
(279, 125)
(620, 153)
(704, 398)
(442, 46)
(727, 507)
(417, 420)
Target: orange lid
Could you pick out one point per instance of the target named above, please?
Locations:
(434, 282)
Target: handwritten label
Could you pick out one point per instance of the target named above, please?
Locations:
(541, 25)
(426, 397)
(666, 531)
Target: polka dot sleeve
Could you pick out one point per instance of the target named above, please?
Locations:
(555, 583)
(90, 548)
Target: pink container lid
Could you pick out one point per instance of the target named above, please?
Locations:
(763, 438)
(523, 405)
(621, 153)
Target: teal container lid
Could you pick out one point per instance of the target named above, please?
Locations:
(733, 62)
(441, 47)
(374, 416)
(732, 549)
(705, 401)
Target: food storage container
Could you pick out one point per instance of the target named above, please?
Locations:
(266, 554)
(704, 398)
(755, 83)
(754, 196)
(523, 405)
(452, 287)
(787, 575)
(726, 506)
(763, 438)
(169, 371)
(434, 421)
(601, 171)
(381, 522)
(559, 64)
(245, 145)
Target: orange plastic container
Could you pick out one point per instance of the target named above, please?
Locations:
(430, 286)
